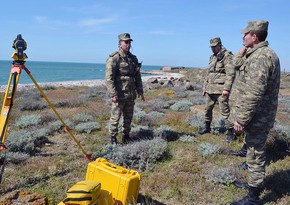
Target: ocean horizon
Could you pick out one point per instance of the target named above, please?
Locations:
(44, 72)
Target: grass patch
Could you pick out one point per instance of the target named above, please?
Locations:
(177, 166)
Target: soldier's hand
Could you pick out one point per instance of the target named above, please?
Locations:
(238, 127)
(142, 97)
(115, 99)
(243, 51)
(203, 93)
(225, 93)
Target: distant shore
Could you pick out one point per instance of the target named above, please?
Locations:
(92, 83)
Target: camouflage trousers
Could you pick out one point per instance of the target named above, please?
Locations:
(123, 107)
(256, 157)
(223, 101)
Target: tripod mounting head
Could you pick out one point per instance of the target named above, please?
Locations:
(19, 44)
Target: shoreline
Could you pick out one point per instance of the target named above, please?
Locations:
(92, 83)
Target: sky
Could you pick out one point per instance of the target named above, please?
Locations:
(164, 32)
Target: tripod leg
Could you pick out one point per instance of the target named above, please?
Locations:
(8, 103)
(2, 165)
(88, 156)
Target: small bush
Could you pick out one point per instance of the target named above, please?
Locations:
(48, 117)
(198, 99)
(48, 87)
(187, 138)
(28, 120)
(76, 102)
(17, 157)
(181, 106)
(83, 117)
(196, 120)
(54, 126)
(141, 155)
(140, 116)
(32, 105)
(155, 114)
(151, 118)
(224, 176)
(27, 142)
(93, 92)
(87, 127)
(208, 150)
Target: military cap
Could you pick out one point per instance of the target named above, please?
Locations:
(259, 25)
(125, 37)
(214, 41)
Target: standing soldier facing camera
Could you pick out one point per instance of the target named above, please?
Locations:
(124, 84)
(217, 85)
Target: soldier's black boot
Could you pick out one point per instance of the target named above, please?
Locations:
(114, 140)
(252, 198)
(206, 129)
(241, 185)
(230, 135)
(126, 139)
(242, 152)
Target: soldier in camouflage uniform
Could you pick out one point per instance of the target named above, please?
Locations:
(217, 85)
(124, 83)
(255, 108)
(238, 61)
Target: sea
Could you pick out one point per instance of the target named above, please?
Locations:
(44, 72)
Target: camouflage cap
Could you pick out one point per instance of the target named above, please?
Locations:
(259, 25)
(124, 37)
(214, 41)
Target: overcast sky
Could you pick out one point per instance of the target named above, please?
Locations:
(165, 32)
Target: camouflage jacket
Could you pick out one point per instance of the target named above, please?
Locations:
(123, 77)
(220, 73)
(257, 89)
(237, 62)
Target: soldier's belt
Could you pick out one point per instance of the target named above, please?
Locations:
(126, 77)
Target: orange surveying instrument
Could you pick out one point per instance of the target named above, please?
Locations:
(19, 44)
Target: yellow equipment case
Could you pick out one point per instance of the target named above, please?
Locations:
(83, 193)
(87, 192)
(122, 183)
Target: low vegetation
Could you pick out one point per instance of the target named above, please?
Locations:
(177, 166)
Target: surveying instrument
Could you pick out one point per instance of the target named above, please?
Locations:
(19, 44)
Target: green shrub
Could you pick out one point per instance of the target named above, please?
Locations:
(181, 106)
(48, 87)
(140, 156)
(206, 149)
(187, 138)
(57, 125)
(27, 141)
(156, 114)
(17, 157)
(196, 120)
(93, 92)
(224, 176)
(83, 117)
(76, 102)
(31, 105)
(28, 120)
(87, 127)
(54, 126)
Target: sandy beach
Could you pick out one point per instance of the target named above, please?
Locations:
(92, 83)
